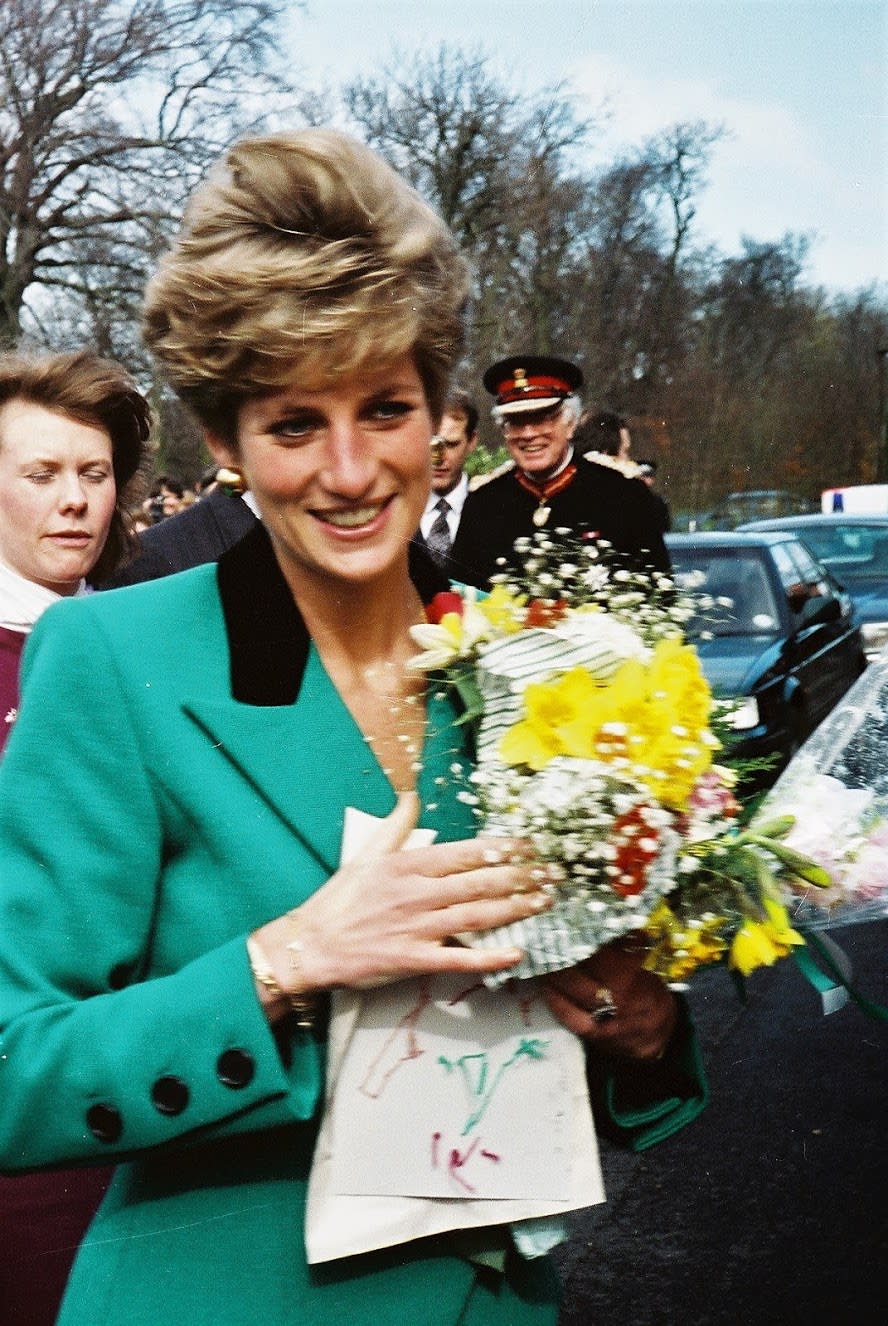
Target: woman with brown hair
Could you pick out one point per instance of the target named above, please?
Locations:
(73, 434)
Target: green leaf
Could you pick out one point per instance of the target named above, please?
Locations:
(802, 866)
(775, 828)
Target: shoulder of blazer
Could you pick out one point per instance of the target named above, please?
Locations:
(197, 535)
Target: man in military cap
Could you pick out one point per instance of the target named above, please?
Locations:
(538, 408)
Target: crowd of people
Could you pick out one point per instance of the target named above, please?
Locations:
(174, 905)
(544, 440)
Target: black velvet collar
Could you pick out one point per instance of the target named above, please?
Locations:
(267, 637)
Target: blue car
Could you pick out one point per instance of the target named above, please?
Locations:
(855, 550)
(781, 636)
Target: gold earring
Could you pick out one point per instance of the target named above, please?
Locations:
(231, 478)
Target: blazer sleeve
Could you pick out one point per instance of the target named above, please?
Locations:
(99, 1054)
(640, 1104)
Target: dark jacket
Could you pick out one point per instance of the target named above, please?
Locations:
(202, 533)
(598, 500)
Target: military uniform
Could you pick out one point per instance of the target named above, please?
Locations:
(598, 500)
(563, 492)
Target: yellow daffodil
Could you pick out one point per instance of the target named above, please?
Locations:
(503, 609)
(761, 943)
(653, 714)
(455, 636)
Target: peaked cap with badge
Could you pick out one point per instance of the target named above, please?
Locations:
(531, 382)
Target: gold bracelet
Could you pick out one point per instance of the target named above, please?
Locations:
(303, 1005)
(306, 1005)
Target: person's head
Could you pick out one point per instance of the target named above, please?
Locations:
(73, 438)
(166, 497)
(647, 471)
(306, 268)
(454, 441)
(606, 432)
(537, 408)
(303, 258)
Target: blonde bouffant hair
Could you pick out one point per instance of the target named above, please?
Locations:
(305, 256)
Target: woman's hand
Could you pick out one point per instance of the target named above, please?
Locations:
(612, 1002)
(392, 913)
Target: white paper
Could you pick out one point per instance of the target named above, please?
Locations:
(380, 1176)
(454, 1090)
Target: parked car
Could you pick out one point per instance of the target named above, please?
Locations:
(855, 550)
(753, 504)
(783, 635)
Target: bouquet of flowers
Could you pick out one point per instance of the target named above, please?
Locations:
(595, 739)
(833, 800)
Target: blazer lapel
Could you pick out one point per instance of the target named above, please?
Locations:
(307, 761)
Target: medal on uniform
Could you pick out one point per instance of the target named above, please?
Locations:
(544, 491)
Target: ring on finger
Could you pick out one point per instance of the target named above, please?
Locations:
(605, 1005)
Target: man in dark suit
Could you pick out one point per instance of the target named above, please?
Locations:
(199, 534)
(538, 408)
(451, 446)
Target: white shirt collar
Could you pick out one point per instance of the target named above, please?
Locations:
(22, 601)
(455, 500)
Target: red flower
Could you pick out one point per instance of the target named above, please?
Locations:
(443, 603)
(544, 614)
(637, 844)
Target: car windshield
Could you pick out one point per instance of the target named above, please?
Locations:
(851, 552)
(733, 591)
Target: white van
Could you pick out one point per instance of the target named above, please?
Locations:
(863, 499)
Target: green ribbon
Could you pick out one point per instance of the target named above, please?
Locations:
(834, 984)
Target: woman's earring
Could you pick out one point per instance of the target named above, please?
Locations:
(231, 478)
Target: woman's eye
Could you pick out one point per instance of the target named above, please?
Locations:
(297, 426)
(40, 476)
(391, 410)
(97, 476)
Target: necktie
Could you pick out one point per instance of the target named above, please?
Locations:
(438, 537)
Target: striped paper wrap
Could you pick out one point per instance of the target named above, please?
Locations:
(575, 927)
(592, 640)
(570, 932)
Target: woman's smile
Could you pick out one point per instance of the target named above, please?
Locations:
(340, 473)
(355, 518)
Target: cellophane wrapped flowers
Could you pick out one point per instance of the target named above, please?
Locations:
(593, 728)
(832, 803)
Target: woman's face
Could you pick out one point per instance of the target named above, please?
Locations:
(57, 494)
(341, 473)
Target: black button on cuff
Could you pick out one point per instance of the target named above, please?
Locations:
(170, 1095)
(104, 1122)
(235, 1068)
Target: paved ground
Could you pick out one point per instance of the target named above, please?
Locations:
(773, 1206)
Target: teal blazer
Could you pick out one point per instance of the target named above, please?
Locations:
(177, 777)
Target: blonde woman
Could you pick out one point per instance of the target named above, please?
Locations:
(186, 909)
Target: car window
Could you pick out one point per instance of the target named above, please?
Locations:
(743, 597)
(802, 577)
(850, 552)
(857, 551)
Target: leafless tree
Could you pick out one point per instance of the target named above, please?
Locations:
(108, 112)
